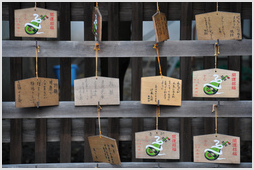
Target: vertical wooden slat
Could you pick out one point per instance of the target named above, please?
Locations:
(41, 124)
(235, 63)
(208, 62)
(65, 83)
(185, 74)
(113, 63)
(89, 71)
(16, 74)
(113, 35)
(136, 69)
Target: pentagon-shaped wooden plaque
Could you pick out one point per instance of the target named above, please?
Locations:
(42, 90)
(41, 23)
(220, 149)
(97, 24)
(165, 89)
(218, 25)
(157, 144)
(104, 149)
(160, 26)
(220, 84)
(90, 91)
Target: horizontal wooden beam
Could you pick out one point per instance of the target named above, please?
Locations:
(183, 48)
(129, 109)
(131, 165)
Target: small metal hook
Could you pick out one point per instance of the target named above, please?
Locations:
(38, 104)
(158, 104)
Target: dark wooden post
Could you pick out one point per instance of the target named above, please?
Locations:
(235, 63)
(89, 71)
(65, 83)
(113, 63)
(16, 74)
(136, 69)
(185, 74)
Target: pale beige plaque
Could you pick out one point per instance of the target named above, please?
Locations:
(220, 149)
(104, 149)
(160, 26)
(42, 90)
(218, 25)
(157, 144)
(97, 24)
(220, 84)
(165, 89)
(41, 23)
(90, 91)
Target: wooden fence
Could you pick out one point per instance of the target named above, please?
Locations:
(71, 123)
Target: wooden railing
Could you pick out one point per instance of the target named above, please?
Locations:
(66, 123)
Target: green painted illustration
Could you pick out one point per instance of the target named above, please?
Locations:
(215, 151)
(95, 25)
(33, 27)
(155, 148)
(214, 86)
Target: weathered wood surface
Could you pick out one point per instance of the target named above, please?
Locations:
(130, 109)
(77, 12)
(131, 165)
(79, 126)
(183, 48)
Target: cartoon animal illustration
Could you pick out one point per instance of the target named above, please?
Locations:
(215, 151)
(33, 27)
(155, 148)
(213, 87)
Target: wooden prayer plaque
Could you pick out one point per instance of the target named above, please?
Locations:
(90, 91)
(220, 84)
(30, 91)
(104, 149)
(97, 24)
(220, 149)
(219, 25)
(157, 144)
(165, 89)
(160, 26)
(41, 23)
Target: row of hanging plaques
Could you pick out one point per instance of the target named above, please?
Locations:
(155, 90)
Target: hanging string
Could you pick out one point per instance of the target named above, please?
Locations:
(158, 113)
(216, 53)
(158, 10)
(215, 110)
(36, 64)
(96, 48)
(35, 6)
(99, 119)
(217, 7)
(158, 58)
(97, 5)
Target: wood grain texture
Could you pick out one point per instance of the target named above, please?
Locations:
(41, 140)
(65, 83)
(79, 126)
(183, 48)
(132, 165)
(185, 75)
(235, 63)
(16, 74)
(113, 63)
(136, 70)
(131, 109)
(150, 8)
